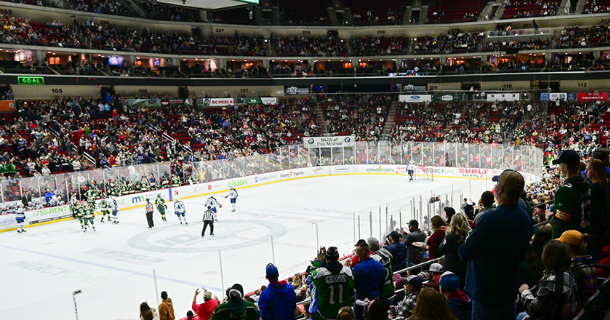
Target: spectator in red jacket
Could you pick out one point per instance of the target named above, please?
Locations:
(436, 238)
(204, 310)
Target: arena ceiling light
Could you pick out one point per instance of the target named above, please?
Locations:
(208, 4)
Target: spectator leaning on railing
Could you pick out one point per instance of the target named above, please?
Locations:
(495, 249)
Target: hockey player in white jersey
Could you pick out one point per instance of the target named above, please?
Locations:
(212, 202)
(410, 170)
(114, 207)
(20, 217)
(180, 210)
(233, 197)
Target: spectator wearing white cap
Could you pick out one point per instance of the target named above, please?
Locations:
(204, 310)
(436, 270)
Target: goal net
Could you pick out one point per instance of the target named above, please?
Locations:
(422, 173)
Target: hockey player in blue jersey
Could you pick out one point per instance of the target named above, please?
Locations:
(20, 217)
(180, 210)
(233, 197)
(410, 170)
(114, 206)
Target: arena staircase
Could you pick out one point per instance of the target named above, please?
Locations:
(500, 11)
(562, 7)
(390, 122)
(169, 138)
(133, 7)
(580, 6)
(320, 119)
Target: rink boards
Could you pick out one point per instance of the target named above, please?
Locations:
(138, 200)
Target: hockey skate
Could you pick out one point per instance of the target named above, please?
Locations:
(180, 222)
(18, 231)
(23, 230)
(186, 222)
(233, 210)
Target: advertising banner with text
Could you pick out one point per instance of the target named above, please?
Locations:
(7, 221)
(47, 214)
(415, 98)
(590, 96)
(326, 142)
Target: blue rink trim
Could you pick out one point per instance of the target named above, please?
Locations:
(112, 268)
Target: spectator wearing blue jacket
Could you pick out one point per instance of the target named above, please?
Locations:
(398, 250)
(279, 300)
(48, 195)
(369, 277)
(494, 252)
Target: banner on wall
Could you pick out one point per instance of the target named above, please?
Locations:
(269, 100)
(217, 102)
(296, 90)
(572, 96)
(7, 106)
(48, 214)
(554, 96)
(326, 142)
(492, 97)
(590, 96)
(142, 103)
(7, 221)
(415, 98)
(454, 97)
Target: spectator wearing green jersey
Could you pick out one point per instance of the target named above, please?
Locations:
(333, 284)
(572, 199)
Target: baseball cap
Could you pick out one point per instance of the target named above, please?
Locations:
(510, 180)
(568, 157)
(572, 237)
(207, 295)
(436, 267)
(414, 223)
(415, 281)
(395, 235)
(361, 241)
(271, 271)
(449, 282)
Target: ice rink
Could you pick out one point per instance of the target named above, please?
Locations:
(114, 265)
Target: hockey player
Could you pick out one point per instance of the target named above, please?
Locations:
(212, 202)
(80, 214)
(114, 206)
(410, 170)
(89, 216)
(143, 186)
(20, 217)
(161, 207)
(180, 210)
(176, 181)
(105, 210)
(233, 196)
(333, 284)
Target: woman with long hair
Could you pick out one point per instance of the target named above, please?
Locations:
(431, 305)
(147, 313)
(455, 235)
(436, 238)
(596, 172)
(555, 296)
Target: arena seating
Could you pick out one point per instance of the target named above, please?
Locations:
(529, 8)
(303, 12)
(447, 11)
(390, 12)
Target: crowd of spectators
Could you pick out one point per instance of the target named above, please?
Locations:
(159, 11)
(113, 7)
(367, 46)
(577, 37)
(594, 6)
(360, 115)
(329, 46)
(529, 8)
(502, 45)
(454, 41)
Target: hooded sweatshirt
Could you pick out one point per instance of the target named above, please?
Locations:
(460, 304)
(166, 310)
(236, 310)
(278, 301)
(204, 310)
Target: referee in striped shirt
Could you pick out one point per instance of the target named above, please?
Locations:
(208, 219)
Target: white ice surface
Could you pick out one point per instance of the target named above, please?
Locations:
(114, 265)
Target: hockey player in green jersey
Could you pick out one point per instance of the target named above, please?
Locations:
(89, 216)
(333, 284)
(143, 185)
(80, 213)
(160, 203)
(105, 209)
(175, 181)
